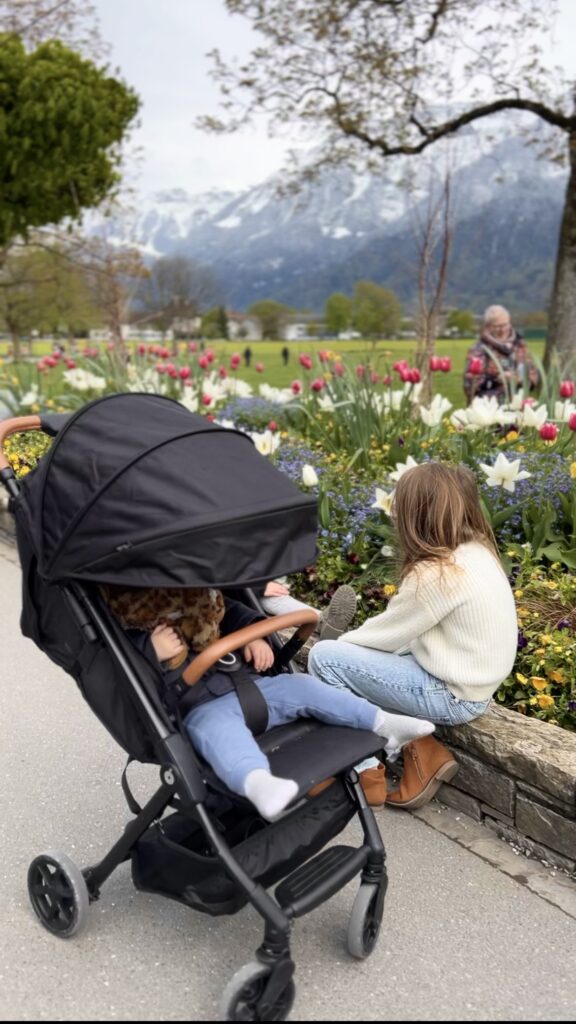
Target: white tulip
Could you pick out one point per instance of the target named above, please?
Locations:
(266, 443)
(402, 467)
(563, 411)
(504, 474)
(309, 476)
(534, 416)
(384, 500)
(432, 415)
(386, 551)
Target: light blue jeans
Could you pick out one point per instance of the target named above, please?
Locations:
(220, 734)
(394, 682)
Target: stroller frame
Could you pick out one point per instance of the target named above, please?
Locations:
(60, 892)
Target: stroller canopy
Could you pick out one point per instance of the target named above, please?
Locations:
(137, 490)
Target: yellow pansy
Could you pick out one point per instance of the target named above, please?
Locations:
(389, 589)
(545, 700)
(512, 435)
(573, 470)
(557, 675)
(545, 638)
(518, 593)
(521, 679)
(538, 682)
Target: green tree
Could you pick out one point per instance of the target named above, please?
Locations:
(215, 323)
(462, 321)
(374, 79)
(376, 311)
(61, 122)
(338, 313)
(271, 316)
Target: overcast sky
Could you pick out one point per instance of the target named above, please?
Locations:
(160, 49)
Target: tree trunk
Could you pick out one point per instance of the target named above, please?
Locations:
(561, 341)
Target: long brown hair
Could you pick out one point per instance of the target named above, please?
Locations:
(437, 507)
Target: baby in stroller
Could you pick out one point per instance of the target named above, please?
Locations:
(171, 626)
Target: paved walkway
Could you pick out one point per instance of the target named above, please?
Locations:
(462, 940)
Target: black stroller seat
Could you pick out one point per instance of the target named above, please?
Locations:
(136, 490)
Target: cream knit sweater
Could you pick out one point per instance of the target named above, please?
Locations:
(459, 623)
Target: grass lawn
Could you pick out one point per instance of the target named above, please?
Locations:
(380, 357)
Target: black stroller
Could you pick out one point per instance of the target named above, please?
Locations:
(138, 491)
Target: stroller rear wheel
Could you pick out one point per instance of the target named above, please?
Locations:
(245, 989)
(58, 893)
(365, 920)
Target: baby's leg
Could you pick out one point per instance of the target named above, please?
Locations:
(219, 733)
(298, 695)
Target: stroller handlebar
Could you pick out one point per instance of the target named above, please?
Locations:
(306, 619)
(14, 426)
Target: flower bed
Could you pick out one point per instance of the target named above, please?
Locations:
(347, 433)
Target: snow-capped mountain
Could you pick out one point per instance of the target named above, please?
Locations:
(348, 226)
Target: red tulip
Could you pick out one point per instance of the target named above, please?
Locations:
(272, 425)
(387, 379)
(476, 366)
(206, 399)
(305, 361)
(445, 364)
(184, 372)
(165, 352)
(235, 360)
(50, 361)
(203, 362)
(210, 355)
(548, 431)
(223, 372)
(141, 350)
(160, 368)
(374, 377)
(435, 363)
(400, 365)
(339, 369)
(318, 384)
(71, 364)
(360, 370)
(572, 421)
(566, 389)
(192, 346)
(296, 387)
(259, 367)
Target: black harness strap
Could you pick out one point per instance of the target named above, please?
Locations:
(253, 704)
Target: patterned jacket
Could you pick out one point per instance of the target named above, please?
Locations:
(510, 358)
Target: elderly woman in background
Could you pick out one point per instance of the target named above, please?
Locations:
(499, 363)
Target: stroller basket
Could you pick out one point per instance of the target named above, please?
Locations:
(172, 857)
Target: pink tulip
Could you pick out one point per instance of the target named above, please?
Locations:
(445, 364)
(566, 389)
(338, 369)
(160, 368)
(184, 372)
(203, 362)
(374, 377)
(305, 361)
(400, 366)
(206, 399)
(235, 360)
(272, 425)
(259, 367)
(318, 384)
(435, 363)
(476, 366)
(141, 350)
(296, 387)
(210, 355)
(192, 346)
(549, 432)
(360, 370)
(223, 372)
(572, 421)
(71, 364)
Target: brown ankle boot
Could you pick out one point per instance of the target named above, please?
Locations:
(427, 764)
(321, 786)
(373, 782)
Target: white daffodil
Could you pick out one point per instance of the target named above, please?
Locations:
(325, 403)
(266, 443)
(309, 476)
(534, 416)
(281, 396)
(504, 474)
(82, 380)
(432, 415)
(31, 397)
(402, 467)
(384, 500)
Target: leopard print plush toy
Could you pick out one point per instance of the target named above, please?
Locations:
(194, 613)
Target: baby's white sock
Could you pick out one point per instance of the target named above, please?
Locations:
(270, 794)
(399, 730)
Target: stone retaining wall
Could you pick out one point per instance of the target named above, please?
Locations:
(516, 775)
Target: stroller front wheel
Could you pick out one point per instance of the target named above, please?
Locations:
(58, 893)
(244, 990)
(365, 920)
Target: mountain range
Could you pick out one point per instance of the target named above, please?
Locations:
(506, 209)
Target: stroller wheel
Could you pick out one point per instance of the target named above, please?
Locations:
(243, 991)
(58, 893)
(365, 920)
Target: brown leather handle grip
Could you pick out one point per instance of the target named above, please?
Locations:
(14, 426)
(306, 619)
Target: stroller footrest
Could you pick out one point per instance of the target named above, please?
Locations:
(318, 879)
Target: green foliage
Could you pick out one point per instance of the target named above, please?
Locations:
(462, 321)
(61, 121)
(271, 315)
(376, 311)
(338, 313)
